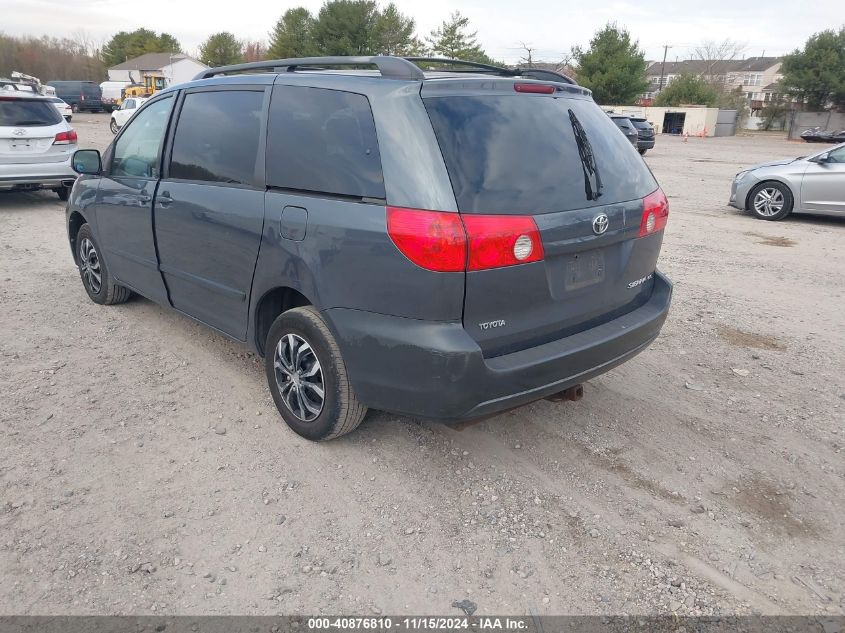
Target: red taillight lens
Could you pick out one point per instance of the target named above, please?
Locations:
(434, 240)
(65, 138)
(502, 240)
(542, 89)
(437, 240)
(655, 213)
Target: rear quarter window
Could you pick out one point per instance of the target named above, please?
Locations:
(323, 141)
(25, 113)
(517, 154)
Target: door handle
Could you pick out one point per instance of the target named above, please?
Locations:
(164, 198)
(144, 198)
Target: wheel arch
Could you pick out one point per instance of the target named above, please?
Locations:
(765, 181)
(271, 304)
(74, 223)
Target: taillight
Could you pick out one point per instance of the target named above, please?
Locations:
(655, 213)
(501, 240)
(434, 240)
(543, 89)
(65, 138)
(439, 241)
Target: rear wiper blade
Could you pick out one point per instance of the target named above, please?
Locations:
(588, 159)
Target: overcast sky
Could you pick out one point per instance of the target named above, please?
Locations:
(552, 27)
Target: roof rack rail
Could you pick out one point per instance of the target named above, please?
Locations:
(390, 67)
(532, 73)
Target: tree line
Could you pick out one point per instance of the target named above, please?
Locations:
(348, 27)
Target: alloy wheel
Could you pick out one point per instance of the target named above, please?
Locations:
(768, 201)
(299, 377)
(89, 264)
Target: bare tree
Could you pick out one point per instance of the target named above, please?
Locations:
(713, 56)
(528, 58)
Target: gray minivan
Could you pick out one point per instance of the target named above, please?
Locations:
(79, 95)
(444, 244)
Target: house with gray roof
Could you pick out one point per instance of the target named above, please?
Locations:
(176, 68)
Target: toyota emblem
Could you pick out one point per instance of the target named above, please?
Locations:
(19, 131)
(600, 223)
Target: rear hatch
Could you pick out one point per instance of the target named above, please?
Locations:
(31, 132)
(644, 129)
(520, 159)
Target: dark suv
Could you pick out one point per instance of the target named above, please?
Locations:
(645, 134)
(445, 244)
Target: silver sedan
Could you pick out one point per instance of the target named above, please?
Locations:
(811, 184)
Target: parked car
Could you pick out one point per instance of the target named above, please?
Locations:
(112, 94)
(79, 95)
(628, 129)
(120, 116)
(645, 134)
(36, 145)
(444, 245)
(820, 135)
(62, 108)
(812, 184)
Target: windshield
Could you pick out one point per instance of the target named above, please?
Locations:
(527, 155)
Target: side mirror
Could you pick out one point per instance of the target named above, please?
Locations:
(87, 161)
(821, 158)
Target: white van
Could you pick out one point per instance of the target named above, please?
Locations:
(113, 94)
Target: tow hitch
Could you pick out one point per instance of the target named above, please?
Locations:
(572, 394)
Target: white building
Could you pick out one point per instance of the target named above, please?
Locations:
(176, 68)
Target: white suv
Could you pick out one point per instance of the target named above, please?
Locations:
(36, 145)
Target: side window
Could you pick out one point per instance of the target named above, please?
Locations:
(136, 152)
(323, 141)
(837, 156)
(217, 137)
(129, 105)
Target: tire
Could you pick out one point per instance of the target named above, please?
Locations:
(74, 108)
(68, 118)
(103, 290)
(339, 411)
(113, 127)
(770, 201)
(642, 151)
(63, 193)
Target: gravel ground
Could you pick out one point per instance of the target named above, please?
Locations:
(144, 468)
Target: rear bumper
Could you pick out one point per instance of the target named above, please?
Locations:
(32, 174)
(645, 143)
(435, 370)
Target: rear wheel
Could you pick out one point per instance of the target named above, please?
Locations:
(96, 279)
(63, 193)
(307, 377)
(74, 108)
(770, 201)
(113, 127)
(642, 151)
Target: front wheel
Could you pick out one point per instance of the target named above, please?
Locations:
(96, 279)
(307, 377)
(113, 126)
(770, 201)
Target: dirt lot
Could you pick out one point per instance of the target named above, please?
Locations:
(144, 469)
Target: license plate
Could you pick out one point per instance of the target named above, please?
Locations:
(584, 269)
(19, 147)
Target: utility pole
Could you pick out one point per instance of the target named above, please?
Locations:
(666, 48)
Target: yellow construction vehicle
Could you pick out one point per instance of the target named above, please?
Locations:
(152, 84)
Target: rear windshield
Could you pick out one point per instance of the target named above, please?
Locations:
(641, 124)
(517, 154)
(27, 113)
